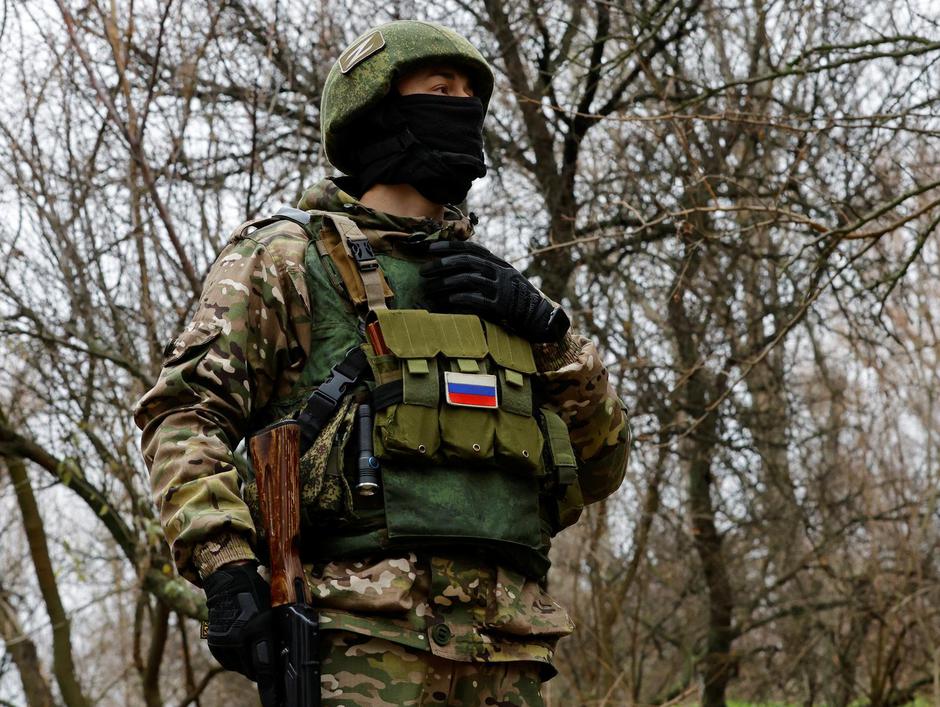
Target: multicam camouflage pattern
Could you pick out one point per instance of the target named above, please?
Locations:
(221, 550)
(244, 344)
(373, 672)
(486, 613)
(578, 389)
(247, 347)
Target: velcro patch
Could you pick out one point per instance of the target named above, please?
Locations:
(360, 50)
(472, 390)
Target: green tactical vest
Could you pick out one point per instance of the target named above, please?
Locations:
(497, 480)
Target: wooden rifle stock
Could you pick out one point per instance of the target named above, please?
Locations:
(275, 455)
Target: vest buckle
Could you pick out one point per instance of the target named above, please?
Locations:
(362, 253)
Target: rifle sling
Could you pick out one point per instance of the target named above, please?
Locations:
(325, 400)
(387, 394)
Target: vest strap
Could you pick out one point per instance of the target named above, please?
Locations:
(357, 247)
(285, 213)
(301, 218)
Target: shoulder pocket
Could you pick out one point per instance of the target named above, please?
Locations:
(197, 336)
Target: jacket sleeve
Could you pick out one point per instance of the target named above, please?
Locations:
(247, 336)
(576, 386)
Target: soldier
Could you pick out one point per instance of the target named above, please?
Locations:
(493, 423)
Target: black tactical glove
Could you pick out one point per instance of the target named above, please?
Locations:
(240, 624)
(466, 277)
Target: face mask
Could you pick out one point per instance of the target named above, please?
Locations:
(433, 142)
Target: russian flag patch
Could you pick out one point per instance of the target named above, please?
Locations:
(472, 390)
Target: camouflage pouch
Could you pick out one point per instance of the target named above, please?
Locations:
(409, 429)
(567, 500)
(519, 440)
(520, 607)
(325, 496)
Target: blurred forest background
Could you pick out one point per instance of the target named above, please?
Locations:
(735, 199)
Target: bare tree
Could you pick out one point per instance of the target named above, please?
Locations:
(736, 201)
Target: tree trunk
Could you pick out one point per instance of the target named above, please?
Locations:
(697, 450)
(23, 652)
(62, 664)
(159, 620)
(717, 664)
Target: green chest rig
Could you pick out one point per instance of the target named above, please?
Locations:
(496, 476)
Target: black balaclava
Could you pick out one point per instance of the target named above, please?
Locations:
(430, 141)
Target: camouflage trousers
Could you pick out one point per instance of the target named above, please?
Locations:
(361, 671)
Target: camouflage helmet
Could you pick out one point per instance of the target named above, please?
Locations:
(367, 70)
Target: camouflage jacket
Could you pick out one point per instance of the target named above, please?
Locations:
(247, 345)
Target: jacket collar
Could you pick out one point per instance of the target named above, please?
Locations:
(329, 195)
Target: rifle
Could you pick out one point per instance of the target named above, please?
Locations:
(275, 454)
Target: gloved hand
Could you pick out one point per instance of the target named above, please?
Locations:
(240, 622)
(465, 277)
